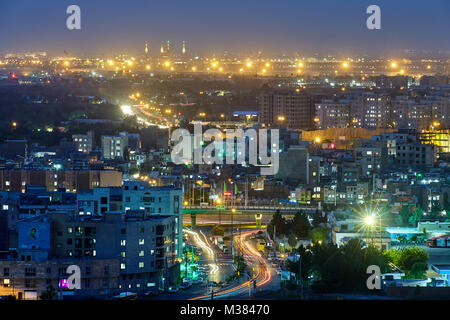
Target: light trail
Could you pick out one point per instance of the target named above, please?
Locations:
(200, 242)
(263, 275)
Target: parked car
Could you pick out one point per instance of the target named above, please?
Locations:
(126, 296)
(151, 293)
(173, 289)
(185, 285)
(187, 280)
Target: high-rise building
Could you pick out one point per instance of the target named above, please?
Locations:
(114, 147)
(286, 108)
(373, 111)
(83, 142)
(332, 114)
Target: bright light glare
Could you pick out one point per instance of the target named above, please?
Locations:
(126, 110)
(369, 220)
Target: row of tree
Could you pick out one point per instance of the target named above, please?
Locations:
(329, 268)
(300, 227)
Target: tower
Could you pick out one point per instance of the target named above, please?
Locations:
(183, 49)
(168, 47)
(146, 49)
(162, 47)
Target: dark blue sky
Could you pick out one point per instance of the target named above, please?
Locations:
(242, 26)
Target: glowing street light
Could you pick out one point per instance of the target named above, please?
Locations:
(369, 221)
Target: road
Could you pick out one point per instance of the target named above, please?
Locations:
(262, 275)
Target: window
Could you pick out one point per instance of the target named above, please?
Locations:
(141, 265)
(122, 266)
(6, 272)
(141, 253)
(30, 272)
(123, 243)
(141, 241)
(30, 283)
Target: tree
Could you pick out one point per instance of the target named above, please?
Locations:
(318, 219)
(319, 235)
(240, 264)
(48, 294)
(405, 213)
(344, 268)
(292, 241)
(306, 261)
(277, 225)
(412, 260)
(416, 215)
(301, 227)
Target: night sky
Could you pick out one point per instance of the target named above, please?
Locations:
(211, 26)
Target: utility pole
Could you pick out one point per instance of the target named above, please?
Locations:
(232, 238)
(300, 279)
(246, 193)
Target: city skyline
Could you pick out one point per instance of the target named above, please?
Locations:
(303, 27)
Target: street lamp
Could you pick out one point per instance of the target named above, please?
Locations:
(369, 222)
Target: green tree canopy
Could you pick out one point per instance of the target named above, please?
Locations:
(300, 226)
(411, 260)
(277, 225)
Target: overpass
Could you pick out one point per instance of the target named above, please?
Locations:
(263, 209)
(211, 215)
